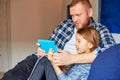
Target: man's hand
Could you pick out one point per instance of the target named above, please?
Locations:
(65, 58)
(40, 52)
(62, 58)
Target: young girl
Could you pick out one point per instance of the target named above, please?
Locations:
(87, 39)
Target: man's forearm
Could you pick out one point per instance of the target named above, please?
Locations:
(82, 58)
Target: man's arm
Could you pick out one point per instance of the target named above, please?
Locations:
(106, 39)
(65, 58)
(83, 58)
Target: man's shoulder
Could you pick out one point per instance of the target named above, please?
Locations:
(65, 24)
(99, 26)
(67, 21)
(96, 24)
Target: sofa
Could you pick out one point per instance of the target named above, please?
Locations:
(106, 66)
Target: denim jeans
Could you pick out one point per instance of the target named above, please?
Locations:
(43, 70)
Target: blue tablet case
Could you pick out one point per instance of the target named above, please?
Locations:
(47, 44)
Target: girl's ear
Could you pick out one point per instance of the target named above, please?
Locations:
(90, 45)
(90, 12)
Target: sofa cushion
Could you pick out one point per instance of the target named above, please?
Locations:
(106, 66)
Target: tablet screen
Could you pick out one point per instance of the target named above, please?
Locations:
(47, 44)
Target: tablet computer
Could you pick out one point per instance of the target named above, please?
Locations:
(47, 44)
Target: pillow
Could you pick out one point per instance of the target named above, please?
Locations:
(106, 66)
(116, 37)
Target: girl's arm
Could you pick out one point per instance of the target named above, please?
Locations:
(56, 68)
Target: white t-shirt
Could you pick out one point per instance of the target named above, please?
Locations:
(70, 45)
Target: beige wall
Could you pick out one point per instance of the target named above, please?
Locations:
(30, 20)
(95, 8)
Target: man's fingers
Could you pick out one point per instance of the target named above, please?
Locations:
(37, 44)
(40, 52)
(61, 51)
(57, 62)
(62, 58)
(56, 59)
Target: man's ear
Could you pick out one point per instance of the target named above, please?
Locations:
(90, 12)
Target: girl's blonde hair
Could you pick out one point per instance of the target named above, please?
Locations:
(91, 35)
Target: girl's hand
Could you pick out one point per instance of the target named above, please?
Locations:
(50, 55)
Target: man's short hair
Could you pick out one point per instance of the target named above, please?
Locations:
(84, 2)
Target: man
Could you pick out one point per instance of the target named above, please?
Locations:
(81, 12)
(64, 37)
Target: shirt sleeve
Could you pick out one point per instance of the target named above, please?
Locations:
(76, 72)
(106, 39)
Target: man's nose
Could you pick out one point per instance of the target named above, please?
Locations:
(75, 18)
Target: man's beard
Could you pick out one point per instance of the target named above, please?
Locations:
(83, 25)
